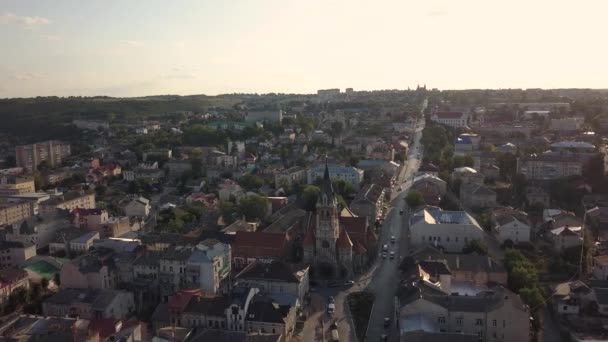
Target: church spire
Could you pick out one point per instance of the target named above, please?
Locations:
(327, 195)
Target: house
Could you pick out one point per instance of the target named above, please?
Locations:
(208, 267)
(13, 212)
(89, 303)
(93, 270)
(230, 189)
(466, 142)
(450, 230)
(275, 277)
(428, 168)
(251, 246)
(138, 207)
(91, 219)
(477, 196)
(82, 243)
(15, 254)
(566, 124)
(491, 314)
(510, 225)
(368, 202)
(289, 177)
(265, 315)
(11, 280)
(569, 297)
(43, 328)
(427, 180)
(566, 237)
(467, 175)
(270, 116)
(600, 267)
(16, 185)
(537, 195)
(452, 119)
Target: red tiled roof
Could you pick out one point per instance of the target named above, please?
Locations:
(449, 115)
(344, 240)
(259, 239)
(357, 225)
(180, 299)
(104, 326)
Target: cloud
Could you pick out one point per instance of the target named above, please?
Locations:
(133, 43)
(50, 37)
(8, 18)
(27, 76)
(436, 13)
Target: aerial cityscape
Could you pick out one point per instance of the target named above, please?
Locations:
(284, 171)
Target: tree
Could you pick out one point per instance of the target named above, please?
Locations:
(507, 162)
(414, 199)
(251, 182)
(253, 207)
(133, 187)
(100, 190)
(310, 195)
(197, 167)
(228, 211)
(469, 161)
(475, 246)
(344, 188)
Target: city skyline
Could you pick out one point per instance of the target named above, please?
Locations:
(140, 48)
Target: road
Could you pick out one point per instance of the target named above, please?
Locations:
(385, 279)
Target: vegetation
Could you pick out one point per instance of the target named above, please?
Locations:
(253, 207)
(475, 246)
(309, 196)
(360, 305)
(523, 278)
(414, 199)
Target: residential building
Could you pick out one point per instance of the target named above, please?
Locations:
(230, 189)
(427, 180)
(537, 195)
(11, 280)
(15, 254)
(16, 185)
(89, 303)
(450, 230)
(148, 171)
(82, 243)
(492, 315)
(35, 229)
(251, 246)
(15, 212)
(349, 174)
(291, 176)
(369, 202)
(52, 151)
(566, 124)
(209, 266)
(566, 237)
(93, 270)
(452, 119)
(265, 315)
(44, 328)
(511, 226)
(91, 219)
(545, 166)
(68, 201)
(570, 297)
(270, 116)
(600, 267)
(477, 196)
(60, 242)
(467, 175)
(138, 207)
(275, 277)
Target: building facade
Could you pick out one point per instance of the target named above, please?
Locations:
(51, 151)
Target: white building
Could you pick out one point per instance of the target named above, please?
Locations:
(82, 243)
(511, 225)
(452, 119)
(349, 174)
(450, 230)
(208, 266)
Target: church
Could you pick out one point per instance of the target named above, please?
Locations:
(339, 242)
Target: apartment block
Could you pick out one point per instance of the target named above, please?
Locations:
(15, 185)
(13, 212)
(52, 151)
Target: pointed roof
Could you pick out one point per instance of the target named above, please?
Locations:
(309, 239)
(344, 240)
(327, 188)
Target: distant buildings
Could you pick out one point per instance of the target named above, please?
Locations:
(349, 174)
(271, 116)
(13, 212)
(89, 304)
(566, 124)
(328, 94)
(15, 185)
(290, 177)
(51, 151)
(452, 119)
(368, 202)
(67, 201)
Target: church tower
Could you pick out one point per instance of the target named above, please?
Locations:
(327, 224)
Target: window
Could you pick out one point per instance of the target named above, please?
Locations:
(439, 238)
(565, 308)
(447, 239)
(456, 238)
(430, 238)
(494, 323)
(459, 321)
(479, 322)
(441, 320)
(504, 323)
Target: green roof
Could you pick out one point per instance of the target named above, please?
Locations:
(44, 269)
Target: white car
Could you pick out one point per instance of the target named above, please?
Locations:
(393, 239)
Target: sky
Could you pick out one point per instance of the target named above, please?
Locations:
(151, 47)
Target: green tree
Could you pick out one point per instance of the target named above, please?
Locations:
(228, 211)
(253, 207)
(251, 182)
(532, 296)
(100, 190)
(507, 162)
(310, 195)
(414, 199)
(469, 161)
(475, 246)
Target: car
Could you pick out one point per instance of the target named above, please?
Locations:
(349, 283)
(401, 212)
(392, 238)
(387, 322)
(331, 308)
(385, 247)
(384, 337)
(333, 325)
(399, 188)
(333, 284)
(392, 255)
(383, 255)
(331, 299)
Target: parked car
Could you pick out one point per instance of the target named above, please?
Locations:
(392, 255)
(387, 322)
(349, 283)
(385, 247)
(331, 299)
(401, 212)
(331, 308)
(383, 255)
(393, 239)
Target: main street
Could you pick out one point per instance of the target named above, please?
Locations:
(385, 279)
(382, 277)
